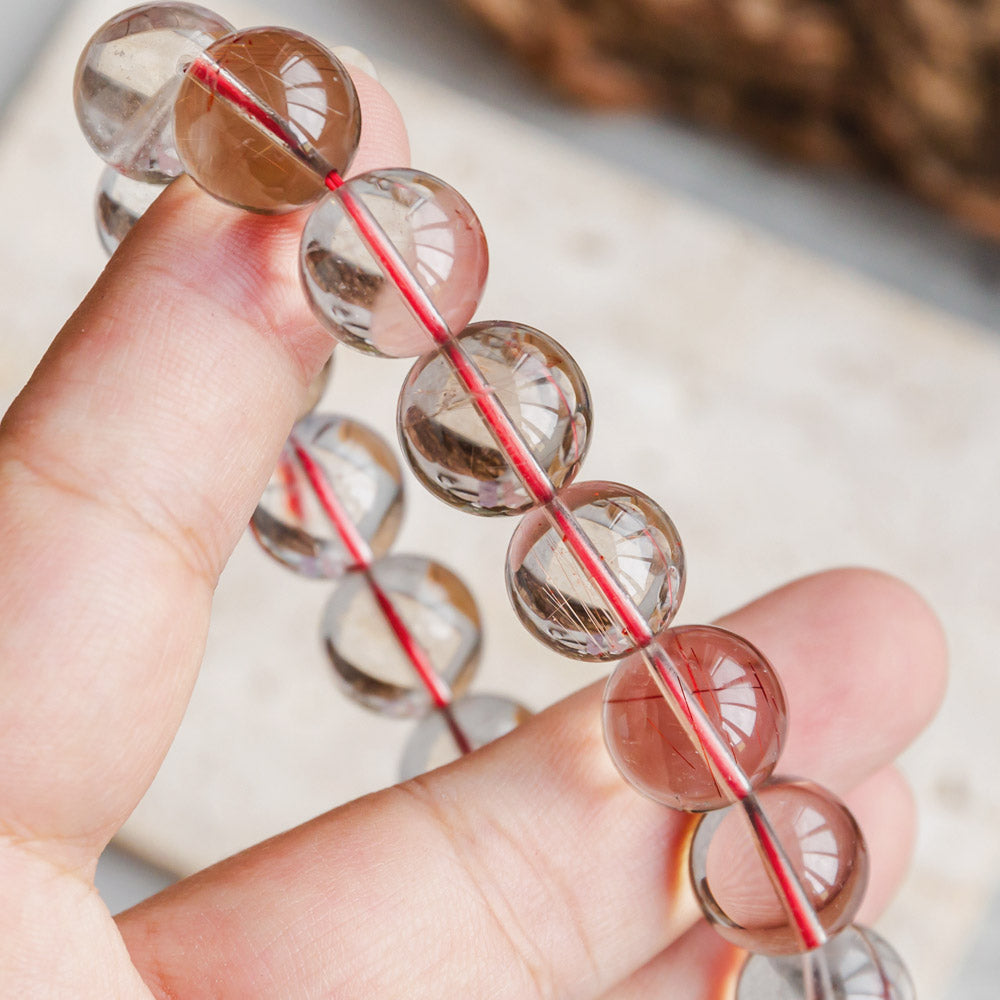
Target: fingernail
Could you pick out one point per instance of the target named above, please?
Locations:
(351, 56)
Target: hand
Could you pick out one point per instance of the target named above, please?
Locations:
(129, 467)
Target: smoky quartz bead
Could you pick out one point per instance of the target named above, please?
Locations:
(263, 116)
(448, 443)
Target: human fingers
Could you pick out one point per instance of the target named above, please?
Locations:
(530, 868)
(701, 965)
(129, 467)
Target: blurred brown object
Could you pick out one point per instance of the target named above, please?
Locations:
(906, 89)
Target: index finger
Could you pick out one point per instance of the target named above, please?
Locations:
(129, 467)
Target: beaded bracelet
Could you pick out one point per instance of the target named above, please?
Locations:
(494, 420)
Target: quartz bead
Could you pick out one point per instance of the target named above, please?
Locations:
(119, 204)
(281, 76)
(825, 849)
(482, 719)
(436, 233)
(857, 964)
(736, 687)
(317, 388)
(439, 614)
(291, 522)
(557, 600)
(447, 441)
(128, 77)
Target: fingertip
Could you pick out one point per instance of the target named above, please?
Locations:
(886, 811)
(858, 650)
(384, 142)
(882, 622)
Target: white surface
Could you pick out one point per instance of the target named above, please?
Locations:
(788, 415)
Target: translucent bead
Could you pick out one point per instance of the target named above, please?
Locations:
(824, 847)
(128, 77)
(227, 150)
(434, 230)
(369, 661)
(119, 204)
(482, 718)
(447, 442)
(739, 692)
(291, 521)
(857, 964)
(556, 599)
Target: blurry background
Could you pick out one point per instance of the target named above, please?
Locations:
(881, 299)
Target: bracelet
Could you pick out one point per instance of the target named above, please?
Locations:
(494, 420)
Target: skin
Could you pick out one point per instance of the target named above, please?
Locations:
(527, 870)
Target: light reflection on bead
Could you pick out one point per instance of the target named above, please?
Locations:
(291, 524)
(482, 718)
(128, 77)
(560, 604)
(446, 439)
(739, 692)
(823, 844)
(857, 964)
(236, 159)
(119, 204)
(439, 237)
(439, 613)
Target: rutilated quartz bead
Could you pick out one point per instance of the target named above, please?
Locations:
(736, 688)
(556, 599)
(447, 442)
(435, 232)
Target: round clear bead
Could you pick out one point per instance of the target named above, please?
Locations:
(291, 521)
(481, 718)
(823, 845)
(732, 683)
(556, 599)
(447, 441)
(119, 204)
(264, 117)
(127, 80)
(857, 964)
(433, 608)
(431, 227)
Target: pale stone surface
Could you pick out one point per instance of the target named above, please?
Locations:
(788, 416)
